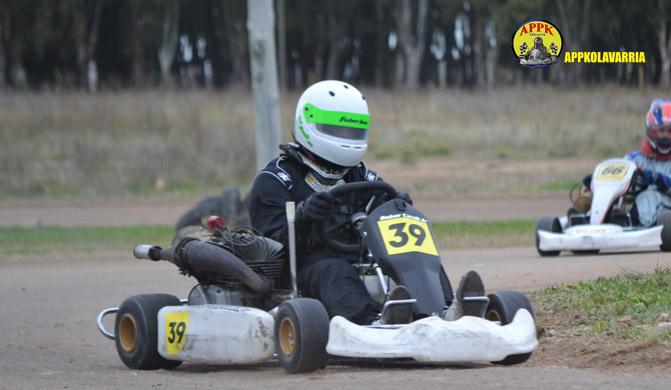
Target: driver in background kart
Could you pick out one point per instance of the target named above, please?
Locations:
(653, 162)
(331, 138)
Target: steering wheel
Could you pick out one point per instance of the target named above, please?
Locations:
(361, 186)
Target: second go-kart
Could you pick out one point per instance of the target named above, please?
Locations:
(604, 217)
(246, 307)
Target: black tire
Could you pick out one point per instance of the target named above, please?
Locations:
(547, 224)
(301, 334)
(664, 219)
(136, 331)
(502, 307)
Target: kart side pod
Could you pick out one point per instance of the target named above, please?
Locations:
(215, 334)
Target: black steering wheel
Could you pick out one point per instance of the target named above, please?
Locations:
(360, 186)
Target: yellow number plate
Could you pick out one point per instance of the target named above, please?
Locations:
(404, 235)
(176, 324)
(612, 172)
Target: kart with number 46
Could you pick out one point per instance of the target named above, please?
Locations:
(246, 307)
(604, 217)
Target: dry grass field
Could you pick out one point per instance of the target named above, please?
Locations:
(189, 142)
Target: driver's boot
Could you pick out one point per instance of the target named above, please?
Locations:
(400, 313)
(469, 300)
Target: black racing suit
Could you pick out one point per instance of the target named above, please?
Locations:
(323, 274)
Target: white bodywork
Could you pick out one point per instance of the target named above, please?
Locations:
(610, 180)
(216, 334)
(603, 236)
(221, 334)
(469, 339)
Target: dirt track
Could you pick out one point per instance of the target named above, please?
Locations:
(166, 212)
(50, 339)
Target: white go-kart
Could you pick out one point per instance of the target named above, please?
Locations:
(603, 218)
(245, 310)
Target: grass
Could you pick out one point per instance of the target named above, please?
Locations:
(625, 306)
(51, 239)
(18, 240)
(456, 235)
(188, 142)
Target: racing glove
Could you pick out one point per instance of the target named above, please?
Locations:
(649, 177)
(646, 176)
(317, 207)
(587, 181)
(662, 182)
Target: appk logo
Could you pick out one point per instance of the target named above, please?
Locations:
(537, 44)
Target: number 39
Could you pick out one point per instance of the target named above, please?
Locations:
(415, 231)
(176, 332)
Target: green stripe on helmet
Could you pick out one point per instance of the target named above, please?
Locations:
(305, 134)
(335, 118)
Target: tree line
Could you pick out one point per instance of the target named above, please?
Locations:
(115, 44)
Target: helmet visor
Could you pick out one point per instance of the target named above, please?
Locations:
(342, 132)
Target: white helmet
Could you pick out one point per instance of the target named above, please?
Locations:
(332, 122)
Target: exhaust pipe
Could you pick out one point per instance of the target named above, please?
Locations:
(149, 252)
(196, 257)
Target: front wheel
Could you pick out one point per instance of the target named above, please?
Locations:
(502, 308)
(136, 331)
(301, 334)
(547, 224)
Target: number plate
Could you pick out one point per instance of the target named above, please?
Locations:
(612, 172)
(404, 234)
(176, 323)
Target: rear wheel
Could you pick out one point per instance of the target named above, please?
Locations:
(547, 224)
(664, 219)
(136, 331)
(502, 308)
(301, 334)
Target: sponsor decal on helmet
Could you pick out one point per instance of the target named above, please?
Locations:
(313, 114)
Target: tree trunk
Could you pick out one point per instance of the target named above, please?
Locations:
(415, 51)
(137, 59)
(442, 73)
(584, 38)
(87, 21)
(381, 44)
(3, 79)
(490, 68)
(169, 37)
(569, 71)
(664, 47)
(262, 53)
(335, 35)
(403, 14)
(282, 42)
(478, 48)
(237, 42)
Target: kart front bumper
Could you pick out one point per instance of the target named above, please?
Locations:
(469, 339)
(604, 236)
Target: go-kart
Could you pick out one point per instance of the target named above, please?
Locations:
(604, 217)
(246, 307)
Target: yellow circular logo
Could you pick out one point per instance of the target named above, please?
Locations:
(537, 44)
